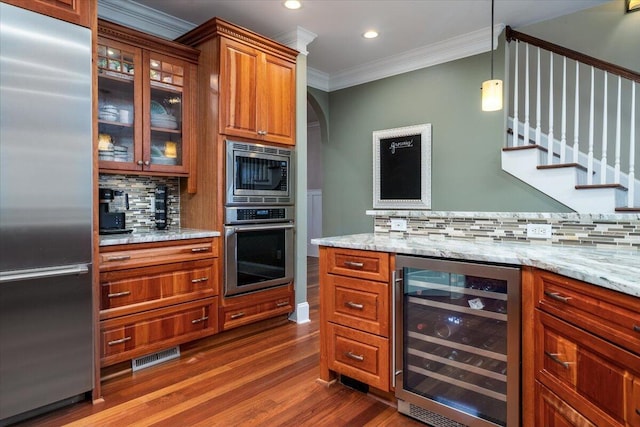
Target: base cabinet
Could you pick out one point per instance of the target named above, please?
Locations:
(355, 316)
(253, 307)
(586, 366)
(156, 295)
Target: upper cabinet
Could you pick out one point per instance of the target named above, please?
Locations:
(257, 94)
(256, 84)
(80, 12)
(146, 103)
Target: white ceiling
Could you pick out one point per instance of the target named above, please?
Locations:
(411, 28)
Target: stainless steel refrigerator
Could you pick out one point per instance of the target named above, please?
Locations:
(46, 332)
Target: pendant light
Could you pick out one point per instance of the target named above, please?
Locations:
(492, 89)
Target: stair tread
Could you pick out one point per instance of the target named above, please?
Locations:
(597, 186)
(562, 165)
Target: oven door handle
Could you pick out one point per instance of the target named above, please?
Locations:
(261, 227)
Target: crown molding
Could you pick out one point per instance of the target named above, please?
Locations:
(143, 18)
(146, 19)
(427, 56)
(297, 39)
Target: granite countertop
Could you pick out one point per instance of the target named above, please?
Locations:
(156, 236)
(618, 270)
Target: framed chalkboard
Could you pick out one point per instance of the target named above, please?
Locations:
(402, 168)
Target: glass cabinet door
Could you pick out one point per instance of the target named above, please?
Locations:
(117, 113)
(164, 147)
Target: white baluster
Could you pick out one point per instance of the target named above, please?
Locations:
(632, 148)
(516, 120)
(616, 175)
(550, 134)
(526, 96)
(563, 132)
(590, 155)
(576, 117)
(538, 106)
(605, 132)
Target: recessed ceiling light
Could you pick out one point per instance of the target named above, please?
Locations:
(292, 4)
(371, 34)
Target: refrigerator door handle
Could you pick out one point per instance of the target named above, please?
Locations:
(43, 273)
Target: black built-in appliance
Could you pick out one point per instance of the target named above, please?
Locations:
(111, 222)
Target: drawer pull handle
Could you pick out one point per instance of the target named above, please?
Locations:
(357, 357)
(237, 315)
(354, 264)
(636, 328)
(119, 294)
(119, 258)
(554, 357)
(200, 249)
(120, 341)
(282, 303)
(352, 304)
(200, 279)
(637, 411)
(202, 319)
(556, 296)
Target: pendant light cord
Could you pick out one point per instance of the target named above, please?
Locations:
(492, 6)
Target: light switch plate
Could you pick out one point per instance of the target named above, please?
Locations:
(539, 231)
(398, 224)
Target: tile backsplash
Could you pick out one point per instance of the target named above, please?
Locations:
(140, 215)
(620, 231)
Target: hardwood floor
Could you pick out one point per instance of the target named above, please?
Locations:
(246, 377)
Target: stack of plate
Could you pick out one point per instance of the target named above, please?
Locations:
(120, 153)
(166, 121)
(107, 155)
(162, 160)
(108, 112)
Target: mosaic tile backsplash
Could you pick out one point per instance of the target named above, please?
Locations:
(597, 230)
(140, 215)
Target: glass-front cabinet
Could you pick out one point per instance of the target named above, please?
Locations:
(145, 103)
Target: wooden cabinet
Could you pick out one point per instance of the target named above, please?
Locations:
(257, 93)
(156, 295)
(355, 316)
(255, 90)
(586, 353)
(146, 103)
(80, 12)
(245, 309)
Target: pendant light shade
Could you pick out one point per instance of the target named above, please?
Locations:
(492, 89)
(492, 95)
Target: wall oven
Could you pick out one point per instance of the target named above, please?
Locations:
(259, 248)
(258, 174)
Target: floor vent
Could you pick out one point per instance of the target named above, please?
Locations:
(155, 358)
(432, 418)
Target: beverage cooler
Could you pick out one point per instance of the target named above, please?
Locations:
(457, 345)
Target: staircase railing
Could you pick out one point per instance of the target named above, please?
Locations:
(601, 119)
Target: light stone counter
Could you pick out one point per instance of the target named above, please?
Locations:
(618, 270)
(156, 236)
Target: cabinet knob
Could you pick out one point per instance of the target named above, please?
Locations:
(139, 162)
(237, 315)
(556, 296)
(119, 258)
(120, 341)
(282, 304)
(147, 163)
(555, 358)
(200, 320)
(199, 280)
(119, 294)
(352, 304)
(262, 132)
(354, 264)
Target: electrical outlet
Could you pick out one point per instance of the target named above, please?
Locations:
(539, 231)
(398, 224)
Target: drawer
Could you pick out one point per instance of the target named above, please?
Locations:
(127, 337)
(146, 254)
(554, 412)
(128, 291)
(584, 370)
(358, 303)
(251, 308)
(361, 264)
(632, 394)
(359, 355)
(608, 314)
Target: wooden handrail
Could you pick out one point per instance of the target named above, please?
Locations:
(512, 34)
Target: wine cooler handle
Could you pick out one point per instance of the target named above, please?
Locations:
(396, 282)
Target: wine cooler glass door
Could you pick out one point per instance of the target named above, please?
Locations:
(460, 340)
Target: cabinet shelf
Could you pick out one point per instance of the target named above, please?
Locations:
(460, 309)
(462, 384)
(458, 346)
(115, 124)
(165, 130)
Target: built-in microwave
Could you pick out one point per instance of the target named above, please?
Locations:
(258, 174)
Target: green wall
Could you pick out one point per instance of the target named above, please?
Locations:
(466, 144)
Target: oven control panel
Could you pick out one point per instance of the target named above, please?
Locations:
(258, 214)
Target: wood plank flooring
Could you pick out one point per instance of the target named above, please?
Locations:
(251, 376)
